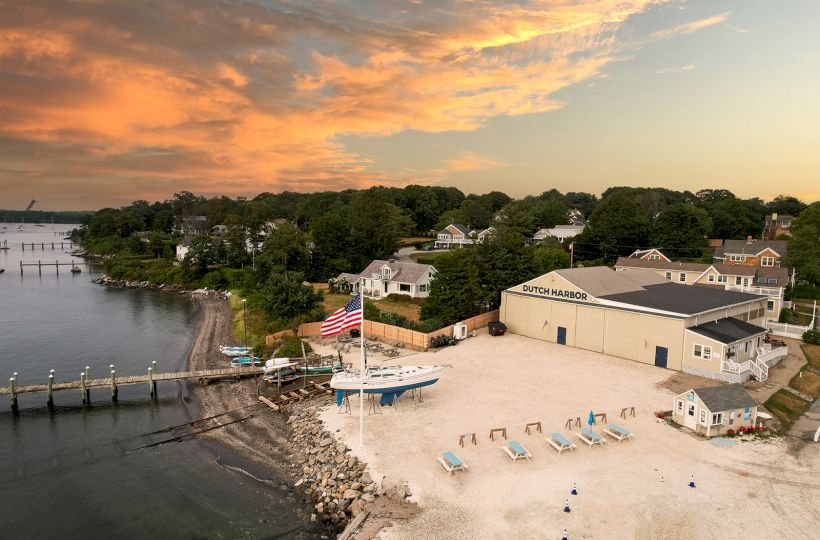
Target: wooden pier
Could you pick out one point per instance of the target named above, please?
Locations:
(44, 245)
(56, 264)
(85, 383)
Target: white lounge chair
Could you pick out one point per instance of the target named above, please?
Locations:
(590, 437)
(618, 433)
(452, 462)
(516, 450)
(560, 443)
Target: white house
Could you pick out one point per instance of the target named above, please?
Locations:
(715, 410)
(382, 278)
(182, 249)
(561, 232)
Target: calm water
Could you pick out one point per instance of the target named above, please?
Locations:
(62, 474)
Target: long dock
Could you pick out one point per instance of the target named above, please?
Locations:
(84, 384)
(56, 264)
(44, 245)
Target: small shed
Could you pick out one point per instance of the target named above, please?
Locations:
(715, 410)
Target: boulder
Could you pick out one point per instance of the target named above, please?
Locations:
(351, 494)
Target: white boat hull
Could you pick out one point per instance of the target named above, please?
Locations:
(388, 381)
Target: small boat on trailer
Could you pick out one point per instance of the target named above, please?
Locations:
(279, 370)
(245, 361)
(235, 351)
(389, 381)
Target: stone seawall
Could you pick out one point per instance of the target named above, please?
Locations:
(329, 477)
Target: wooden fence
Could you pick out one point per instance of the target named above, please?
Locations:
(395, 334)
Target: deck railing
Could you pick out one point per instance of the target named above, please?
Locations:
(772, 292)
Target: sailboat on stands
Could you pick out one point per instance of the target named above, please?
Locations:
(388, 381)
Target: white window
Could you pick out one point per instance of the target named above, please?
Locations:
(721, 279)
(680, 406)
(717, 418)
(385, 273)
(654, 258)
(737, 280)
(698, 351)
(737, 258)
(703, 351)
(422, 288)
(711, 278)
(669, 276)
(404, 287)
(770, 305)
(682, 277)
(767, 261)
(707, 352)
(702, 417)
(771, 281)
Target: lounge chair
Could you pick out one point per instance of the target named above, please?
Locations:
(618, 433)
(590, 437)
(452, 462)
(516, 450)
(560, 443)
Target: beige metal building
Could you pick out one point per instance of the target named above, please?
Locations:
(641, 316)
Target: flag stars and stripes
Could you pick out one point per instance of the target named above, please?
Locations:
(348, 316)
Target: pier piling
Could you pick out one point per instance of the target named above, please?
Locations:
(154, 385)
(87, 390)
(151, 387)
(50, 401)
(113, 384)
(13, 395)
(82, 386)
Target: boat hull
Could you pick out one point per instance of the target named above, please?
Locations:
(345, 383)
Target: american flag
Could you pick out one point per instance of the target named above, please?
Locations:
(343, 318)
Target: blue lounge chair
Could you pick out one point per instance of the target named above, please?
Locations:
(590, 437)
(452, 462)
(560, 443)
(618, 433)
(516, 450)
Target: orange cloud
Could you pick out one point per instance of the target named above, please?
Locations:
(176, 94)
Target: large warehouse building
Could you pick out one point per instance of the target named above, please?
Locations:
(641, 316)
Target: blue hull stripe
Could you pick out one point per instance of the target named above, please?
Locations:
(384, 391)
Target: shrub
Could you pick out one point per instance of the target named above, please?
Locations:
(404, 298)
(391, 318)
(811, 337)
(785, 316)
(730, 432)
(214, 280)
(291, 348)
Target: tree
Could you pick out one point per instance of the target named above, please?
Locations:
(455, 292)
(786, 205)
(288, 299)
(804, 246)
(517, 217)
(375, 227)
(284, 250)
(618, 226)
(201, 254)
(681, 229)
(543, 260)
(237, 246)
(585, 202)
(731, 220)
(502, 263)
(331, 247)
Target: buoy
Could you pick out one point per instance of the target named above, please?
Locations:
(566, 506)
(564, 536)
(661, 479)
(692, 481)
(574, 489)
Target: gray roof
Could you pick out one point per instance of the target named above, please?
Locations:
(600, 281)
(458, 226)
(401, 272)
(779, 273)
(725, 398)
(728, 330)
(678, 298)
(743, 247)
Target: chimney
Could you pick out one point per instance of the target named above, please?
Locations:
(774, 216)
(393, 261)
(749, 240)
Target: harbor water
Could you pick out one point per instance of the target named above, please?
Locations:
(66, 473)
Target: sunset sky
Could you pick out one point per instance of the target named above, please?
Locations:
(106, 101)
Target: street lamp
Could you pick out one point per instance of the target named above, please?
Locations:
(244, 325)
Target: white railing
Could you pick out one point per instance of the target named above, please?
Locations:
(772, 292)
(765, 355)
(788, 330)
(730, 367)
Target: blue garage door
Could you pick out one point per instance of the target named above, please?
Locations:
(562, 335)
(661, 354)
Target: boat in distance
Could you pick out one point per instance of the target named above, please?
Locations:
(389, 381)
(235, 351)
(245, 361)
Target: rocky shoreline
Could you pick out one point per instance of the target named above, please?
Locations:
(126, 284)
(335, 482)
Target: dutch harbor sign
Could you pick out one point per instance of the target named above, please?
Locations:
(555, 293)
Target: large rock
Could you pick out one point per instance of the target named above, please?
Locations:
(325, 442)
(351, 494)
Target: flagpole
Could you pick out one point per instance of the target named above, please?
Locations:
(361, 379)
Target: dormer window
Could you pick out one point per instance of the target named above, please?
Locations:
(654, 258)
(385, 273)
(767, 261)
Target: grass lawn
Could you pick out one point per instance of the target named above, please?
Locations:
(256, 327)
(427, 257)
(786, 407)
(812, 353)
(415, 240)
(411, 311)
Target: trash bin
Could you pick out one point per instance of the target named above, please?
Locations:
(354, 332)
(497, 328)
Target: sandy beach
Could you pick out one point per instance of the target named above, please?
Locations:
(758, 489)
